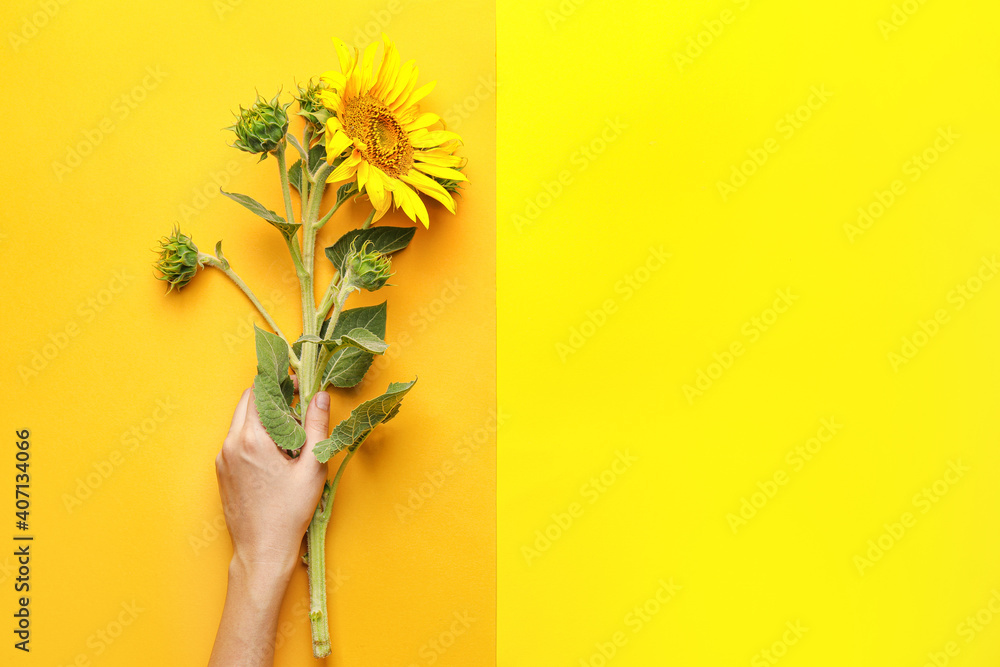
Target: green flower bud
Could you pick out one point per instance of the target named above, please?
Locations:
(262, 127)
(311, 107)
(450, 185)
(179, 260)
(369, 269)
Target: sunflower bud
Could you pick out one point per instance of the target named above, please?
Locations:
(369, 268)
(261, 128)
(311, 107)
(179, 260)
(450, 185)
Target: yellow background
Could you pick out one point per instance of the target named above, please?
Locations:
(655, 184)
(573, 76)
(150, 535)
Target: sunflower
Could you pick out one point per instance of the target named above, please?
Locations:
(395, 152)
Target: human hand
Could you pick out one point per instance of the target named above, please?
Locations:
(267, 496)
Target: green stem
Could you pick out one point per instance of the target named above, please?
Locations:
(311, 372)
(225, 268)
(308, 373)
(338, 306)
(310, 378)
(328, 299)
(316, 559)
(329, 214)
(336, 482)
(304, 174)
(316, 541)
(283, 173)
(368, 220)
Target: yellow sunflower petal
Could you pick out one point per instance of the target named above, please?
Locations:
(417, 95)
(441, 159)
(333, 124)
(346, 169)
(367, 66)
(432, 139)
(440, 172)
(390, 67)
(376, 189)
(346, 61)
(363, 175)
(353, 84)
(336, 142)
(408, 200)
(418, 207)
(429, 187)
(407, 116)
(422, 121)
(333, 79)
(404, 83)
(331, 99)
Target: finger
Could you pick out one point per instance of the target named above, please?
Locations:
(317, 426)
(240, 413)
(295, 383)
(255, 435)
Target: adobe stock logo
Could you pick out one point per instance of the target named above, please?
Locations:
(752, 330)
(638, 618)
(712, 29)
(779, 648)
(86, 312)
(591, 491)
(31, 24)
(914, 168)
(796, 458)
(121, 108)
(899, 17)
(786, 127)
(582, 158)
(958, 298)
(968, 629)
(625, 289)
(923, 501)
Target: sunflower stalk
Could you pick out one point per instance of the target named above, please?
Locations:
(308, 385)
(223, 265)
(316, 562)
(368, 221)
(392, 155)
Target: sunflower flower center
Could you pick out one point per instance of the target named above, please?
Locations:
(385, 143)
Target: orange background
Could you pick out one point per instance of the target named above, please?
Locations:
(134, 390)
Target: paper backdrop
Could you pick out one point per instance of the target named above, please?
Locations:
(749, 327)
(114, 120)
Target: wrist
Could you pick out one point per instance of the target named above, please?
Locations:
(262, 574)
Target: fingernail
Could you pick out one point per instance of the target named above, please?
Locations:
(322, 400)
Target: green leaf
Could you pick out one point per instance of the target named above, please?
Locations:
(350, 433)
(295, 144)
(364, 339)
(359, 338)
(287, 229)
(346, 191)
(295, 175)
(222, 259)
(319, 116)
(272, 361)
(276, 415)
(272, 354)
(348, 365)
(385, 240)
(317, 154)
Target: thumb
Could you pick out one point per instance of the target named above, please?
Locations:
(316, 423)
